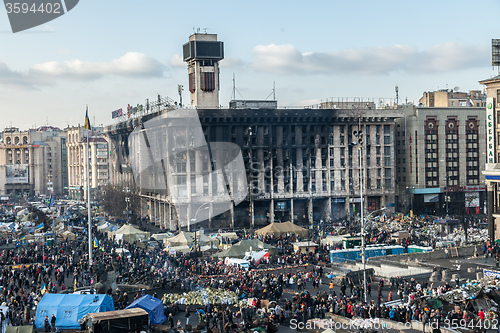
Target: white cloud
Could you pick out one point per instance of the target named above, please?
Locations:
(132, 64)
(233, 63)
(176, 61)
(447, 57)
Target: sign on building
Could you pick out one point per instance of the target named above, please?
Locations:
(16, 173)
(490, 129)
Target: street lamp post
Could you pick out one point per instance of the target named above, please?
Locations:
(126, 190)
(359, 143)
(196, 213)
(194, 220)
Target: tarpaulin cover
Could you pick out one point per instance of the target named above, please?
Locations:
(20, 329)
(153, 306)
(68, 308)
(121, 321)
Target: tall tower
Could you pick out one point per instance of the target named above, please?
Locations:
(203, 53)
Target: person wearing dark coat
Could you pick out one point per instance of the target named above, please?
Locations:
(53, 322)
(170, 320)
(46, 324)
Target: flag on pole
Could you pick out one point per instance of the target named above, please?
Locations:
(51, 201)
(191, 247)
(44, 290)
(87, 120)
(96, 244)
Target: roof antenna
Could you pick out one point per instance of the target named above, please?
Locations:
(234, 88)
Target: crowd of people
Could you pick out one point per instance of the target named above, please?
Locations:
(30, 271)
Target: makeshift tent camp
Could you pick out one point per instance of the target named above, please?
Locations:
(200, 237)
(20, 329)
(160, 237)
(228, 235)
(177, 249)
(296, 229)
(121, 321)
(304, 247)
(68, 235)
(284, 228)
(332, 240)
(153, 306)
(130, 234)
(183, 238)
(239, 249)
(69, 308)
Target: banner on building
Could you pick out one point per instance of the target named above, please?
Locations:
(490, 130)
(16, 173)
(117, 113)
(471, 199)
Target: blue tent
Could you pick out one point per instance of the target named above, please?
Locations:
(68, 308)
(153, 306)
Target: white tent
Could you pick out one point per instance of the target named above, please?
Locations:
(130, 234)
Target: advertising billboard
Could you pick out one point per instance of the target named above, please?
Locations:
(490, 131)
(16, 173)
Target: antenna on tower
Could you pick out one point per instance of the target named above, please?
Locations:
(233, 96)
(273, 93)
(397, 95)
(180, 88)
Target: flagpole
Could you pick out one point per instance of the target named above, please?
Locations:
(89, 218)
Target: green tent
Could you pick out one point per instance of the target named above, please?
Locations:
(20, 329)
(239, 249)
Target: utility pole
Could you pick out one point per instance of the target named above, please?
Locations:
(359, 143)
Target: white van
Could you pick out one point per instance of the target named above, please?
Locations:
(243, 264)
(123, 252)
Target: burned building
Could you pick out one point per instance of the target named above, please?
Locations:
(300, 165)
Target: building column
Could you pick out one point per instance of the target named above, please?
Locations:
(232, 215)
(310, 211)
(347, 207)
(170, 222)
(158, 212)
(271, 210)
(328, 211)
(210, 213)
(164, 215)
(167, 220)
(490, 196)
(252, 213)
(291, 210)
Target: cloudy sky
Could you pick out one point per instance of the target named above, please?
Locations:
(107, 54)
